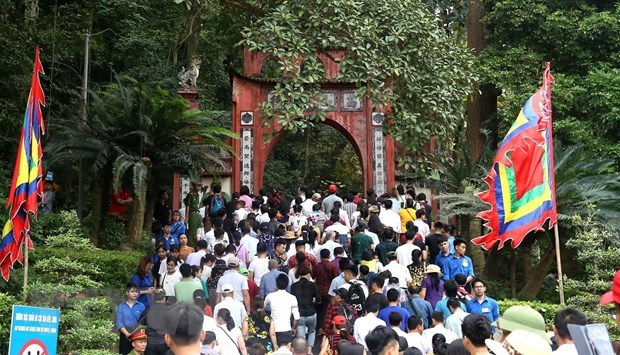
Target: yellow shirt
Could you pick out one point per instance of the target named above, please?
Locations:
(406, 215)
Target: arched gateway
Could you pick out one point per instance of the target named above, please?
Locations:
(352, 117)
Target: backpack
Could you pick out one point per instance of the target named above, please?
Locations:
(349, 315)
(356, 297)
(217, 204)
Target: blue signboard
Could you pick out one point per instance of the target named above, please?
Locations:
(34, 330)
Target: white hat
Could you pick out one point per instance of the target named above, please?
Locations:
(227, 288)
(522, 342)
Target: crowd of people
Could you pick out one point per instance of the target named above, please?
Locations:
(346, 273)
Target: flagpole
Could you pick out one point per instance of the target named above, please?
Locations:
(558, 259)
(25, 289)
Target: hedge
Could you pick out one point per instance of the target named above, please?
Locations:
(6, 309)
(116, 267)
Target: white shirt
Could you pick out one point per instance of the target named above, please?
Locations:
(168, 281)
(345, 217)
(390, 218)
(283, 305)
(403, 253)
(227, 339)
(566, 349)
(416, 340)
(306, 206)
(236, 308)
(454, 322)
(423, 228)
(242, 213)
(439, 329)
(399, 271)
(330, 245)
(365, 325)
(209, 324)
(338, 228)
(195, 258)
(259, 266)
(297, 221)
(251, 244)
(262, 218)
(399, 332)
(238, 281)
(374, 236)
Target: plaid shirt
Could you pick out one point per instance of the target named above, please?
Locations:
(330, 313)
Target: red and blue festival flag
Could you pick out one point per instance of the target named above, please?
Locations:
(27, 185)
(521, 181)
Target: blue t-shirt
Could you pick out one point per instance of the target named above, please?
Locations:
(443, 306)
(462, 265)
(488, 308)
(143, 283)
(172, 240)
(384, 314)
(127, 317)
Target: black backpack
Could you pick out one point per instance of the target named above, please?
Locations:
(357, 297)
(346, 311)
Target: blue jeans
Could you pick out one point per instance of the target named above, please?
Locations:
(310, 323)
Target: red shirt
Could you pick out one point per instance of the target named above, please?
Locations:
(252, 290)
(117, 208)
(292, 262)
(324, 273)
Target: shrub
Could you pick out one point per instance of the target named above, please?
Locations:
(6, 309)
(52, 224)
(547, 310)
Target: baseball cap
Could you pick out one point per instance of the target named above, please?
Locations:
(227, 288)
(244, 272)
(373, 209)
(316, 196)
(339, 320)
(264, 227)
(524, 318)
(342, 292)
(391, 254)
(614, 294)
(332, 188)
(234, 261)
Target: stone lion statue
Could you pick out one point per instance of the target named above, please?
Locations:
(187, 78)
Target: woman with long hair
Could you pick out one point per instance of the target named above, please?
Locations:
(339, 333)
(144, 281)
(416, 268)
(241, 250)
(171, 277)
(258, 327)
(159, 258)
(229, 337)
(432, 285)
(184, 249)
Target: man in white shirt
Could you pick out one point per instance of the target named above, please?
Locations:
(403, 252)
(367, 323)
(196, 257)
(415, 326)
(236, 308)
(388, 217)
(250, 242)
(238, 281)
(455, 321)
(438, 328)
(260, 265)
(563, 318)
(329, 244)
(420, 222)
(283, 305)
(396, 321)
(398, 270)
(342, 231)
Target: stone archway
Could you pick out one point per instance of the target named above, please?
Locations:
(351, 116)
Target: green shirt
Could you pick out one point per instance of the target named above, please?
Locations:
(184, 290)
(359, 243)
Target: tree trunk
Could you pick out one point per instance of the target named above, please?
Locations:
(136, 220)
(97, 210)
(476, 253)
(151, 197)
(536, 277)
(194, 30)
(492, 263)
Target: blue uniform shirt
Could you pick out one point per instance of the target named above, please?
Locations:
(172, 240)
(462, 265)
(441, 260)
(488, 308)
(443, 306)
(127, 317)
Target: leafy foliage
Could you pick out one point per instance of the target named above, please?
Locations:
(6, 310)
(404, 63)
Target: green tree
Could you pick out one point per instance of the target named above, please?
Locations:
(143, 134)
(405, 63)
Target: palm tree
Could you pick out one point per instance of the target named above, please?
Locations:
(140, 134)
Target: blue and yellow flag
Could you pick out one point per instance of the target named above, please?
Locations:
(27, 185)
(521, 181)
